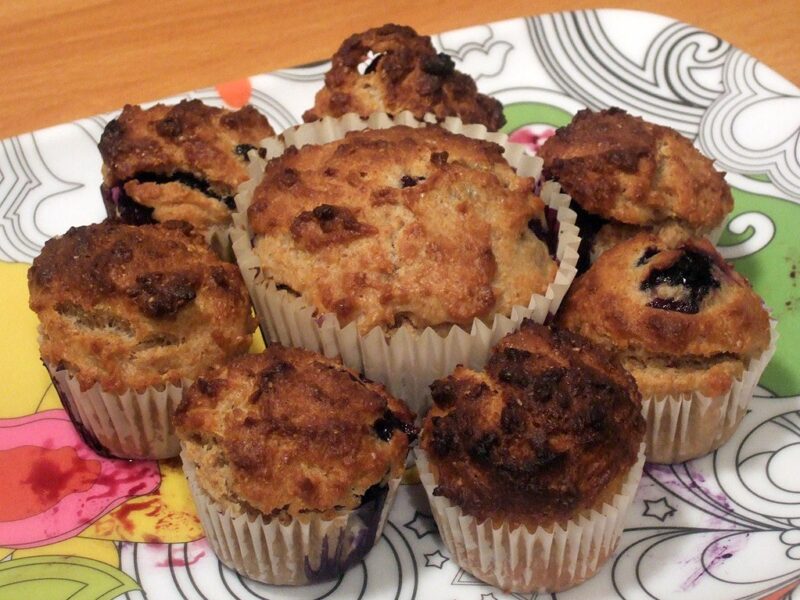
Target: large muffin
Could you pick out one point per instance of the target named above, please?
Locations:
(404, 225)
(681, 320)
(542, 439)
(392, 69)
(179, 162)
(629, 174)
(288, 437)
(128, 311)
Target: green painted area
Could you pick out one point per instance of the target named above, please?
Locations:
(770, 271)
(526, 113)
(62, 578)
(758, 177)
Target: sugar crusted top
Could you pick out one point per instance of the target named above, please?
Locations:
(132, 307)
(401, 225)
(546, 431)
(289, 431)
(402, 72)
(623, 168)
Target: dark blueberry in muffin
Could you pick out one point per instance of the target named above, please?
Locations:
(692, 273)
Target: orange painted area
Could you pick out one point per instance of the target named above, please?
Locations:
(235, 93)
(784, 592)
(39, 478)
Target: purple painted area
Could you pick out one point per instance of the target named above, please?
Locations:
(666, 475)
(714, 556)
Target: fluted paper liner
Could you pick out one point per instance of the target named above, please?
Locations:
(519, 560)
(304, 550)
(408, 360)
(130, 425)
(680, 428)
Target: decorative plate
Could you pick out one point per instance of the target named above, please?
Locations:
(75, 525)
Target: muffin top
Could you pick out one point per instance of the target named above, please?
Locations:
(392, 69)
(547, 430)
(132, 307)
(623, 168)
(401, 225)
(668, 296)
(180, 162)
(289, 431)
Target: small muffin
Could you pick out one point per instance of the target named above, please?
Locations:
(181, 162)
(686, 326)
(288, 441)
(128, 315)
(629, 174)
(547, 439)
(404, 72)
(404, 248)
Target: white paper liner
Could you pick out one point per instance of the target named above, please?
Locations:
(130, 425)
(716, 233)
(409, 360)
(545, 560)
(218, 238)
(296, 553)
(680, 428)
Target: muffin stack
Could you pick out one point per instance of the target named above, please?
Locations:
(399, 258)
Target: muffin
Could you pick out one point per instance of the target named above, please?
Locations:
(380, 243)
(181, 162)
(690, 330)
(627, 175)
(129, 315)
(531, 464)
(293, 461)
(392, 69)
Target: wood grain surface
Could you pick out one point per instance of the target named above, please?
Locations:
(65, 59)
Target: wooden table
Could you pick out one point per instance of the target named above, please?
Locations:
(65, 59)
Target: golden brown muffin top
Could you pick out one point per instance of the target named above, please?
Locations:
(669, 296)
(133, 307)
(623, 168)
(289, 431)
(184, 161)
(404, 73)
(401, 225)
(540, 435)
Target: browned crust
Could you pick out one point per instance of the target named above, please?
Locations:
(623, 168)
(187, 138)
(289, 431)
(539, 436)
(409, 75)
(335, 224)
(609, 306)
(133, 307)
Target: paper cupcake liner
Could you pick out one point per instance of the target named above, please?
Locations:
(307, 550)
(680, 428)
(545, 560)
(407, 361)
(129, 425)
(218, 238)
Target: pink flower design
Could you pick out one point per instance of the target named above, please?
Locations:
(55, 485)
(532, 136)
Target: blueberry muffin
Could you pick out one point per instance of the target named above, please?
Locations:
(288, 441)
(627, 174)
(392, 69)
(181, 162)
(686, 326)
(547, 438)
(128, 315)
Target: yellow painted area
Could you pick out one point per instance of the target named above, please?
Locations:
(166, 516)
(5, 552)
(100, 550)
(258, 342)
(23, 379)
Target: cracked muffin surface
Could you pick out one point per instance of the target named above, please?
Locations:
(549, 429)
(403, 225)
(131, 307)
(289, 431)
(179, 162)
(391, 69)
(627, 171)
(674, 312)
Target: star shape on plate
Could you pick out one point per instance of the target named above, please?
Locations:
(489, 596)
(421, 524)
(659, 509)
(435, 559)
